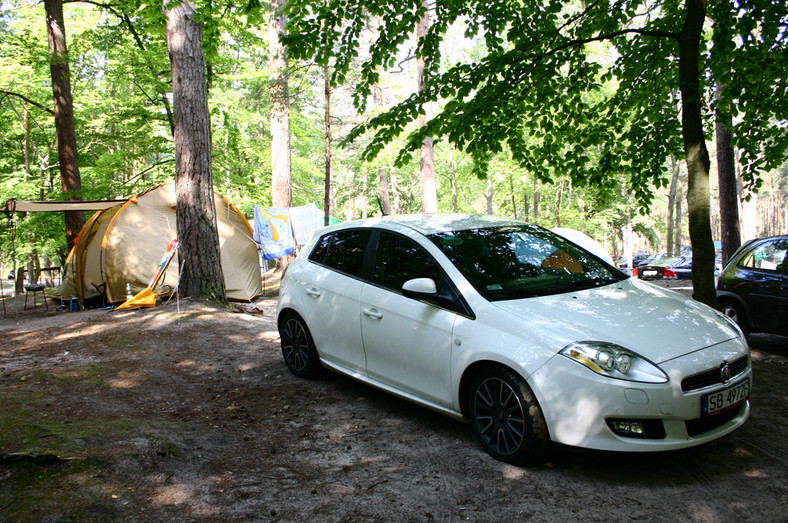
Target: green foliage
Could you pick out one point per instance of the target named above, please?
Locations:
(541, 91)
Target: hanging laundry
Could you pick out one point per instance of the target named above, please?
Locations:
(272, 232)
(305, 220)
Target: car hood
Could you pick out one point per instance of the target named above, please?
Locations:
(657, 324)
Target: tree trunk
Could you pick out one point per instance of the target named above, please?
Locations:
(672, 248)
(512, 195)
(64, 116)
(489, 194)
(396, 203)
(698, 163)
(537, 200)
(281, 174)
(195, 210)
(455, 202)
(328, 198)
(377, 95)
(281, 183)
(429, 195)
(559, 195)
(726, 173)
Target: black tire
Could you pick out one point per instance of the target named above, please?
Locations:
(735, 311)
(298, 347)
(506, 417)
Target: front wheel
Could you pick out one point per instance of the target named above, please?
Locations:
(298, 347)
(506, 417)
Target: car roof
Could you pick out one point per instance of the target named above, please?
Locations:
(427, 224)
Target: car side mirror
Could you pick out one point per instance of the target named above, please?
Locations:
(420, 288)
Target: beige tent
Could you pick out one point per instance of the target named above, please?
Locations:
(123, 244)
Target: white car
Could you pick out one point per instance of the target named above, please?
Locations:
(523, 333)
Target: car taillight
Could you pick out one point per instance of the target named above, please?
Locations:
(635, 272)
(668, 273)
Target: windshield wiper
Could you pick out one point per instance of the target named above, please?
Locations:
(511, 294)
(584, 284)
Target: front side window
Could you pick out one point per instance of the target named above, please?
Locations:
(342, 250)
(771, 256)
(522, 261)
(399, 260)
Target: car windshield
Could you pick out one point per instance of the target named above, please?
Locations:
(513, 262)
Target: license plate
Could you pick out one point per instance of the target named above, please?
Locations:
(726, 398)
(649, 273)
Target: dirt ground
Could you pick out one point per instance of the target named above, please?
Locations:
(187, 412)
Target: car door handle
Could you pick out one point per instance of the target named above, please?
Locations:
(373, 313)
(315, 293)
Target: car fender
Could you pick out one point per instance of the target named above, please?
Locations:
(472, 349)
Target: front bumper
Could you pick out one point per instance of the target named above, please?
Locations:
(579, 404)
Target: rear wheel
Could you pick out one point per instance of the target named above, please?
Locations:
(506, 417)
(298, 347)
(736, 312)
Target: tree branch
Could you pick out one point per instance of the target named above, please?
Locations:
(28, 100)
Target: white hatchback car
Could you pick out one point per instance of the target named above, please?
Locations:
(523, 333)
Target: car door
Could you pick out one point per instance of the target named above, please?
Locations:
(764, 271)
(331, 296)
(408, 342)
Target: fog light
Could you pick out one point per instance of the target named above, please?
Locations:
(634, 428)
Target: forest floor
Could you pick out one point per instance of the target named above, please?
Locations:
(186, 412)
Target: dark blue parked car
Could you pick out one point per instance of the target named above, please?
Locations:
(753, 287)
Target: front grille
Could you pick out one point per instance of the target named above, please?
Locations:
(712, 377)
(701, 425)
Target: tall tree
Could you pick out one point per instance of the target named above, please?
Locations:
(328, 197)
(281, 183)
(696, 153)
(383, 179)
(199, 253)
(64, 116)
(429, 194)
(727, 183)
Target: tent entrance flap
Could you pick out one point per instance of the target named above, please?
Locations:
(147, 297)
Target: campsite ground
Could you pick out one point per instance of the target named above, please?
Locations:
(187, 413)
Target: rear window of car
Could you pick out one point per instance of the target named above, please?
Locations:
(342, 250)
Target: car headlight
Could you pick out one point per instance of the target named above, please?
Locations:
(614, 361)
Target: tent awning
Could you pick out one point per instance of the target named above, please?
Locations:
(72, 205)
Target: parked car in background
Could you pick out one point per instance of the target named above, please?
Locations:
(677, 268)
(753, 287)
(528, 336)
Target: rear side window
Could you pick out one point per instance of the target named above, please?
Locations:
(342, 250)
